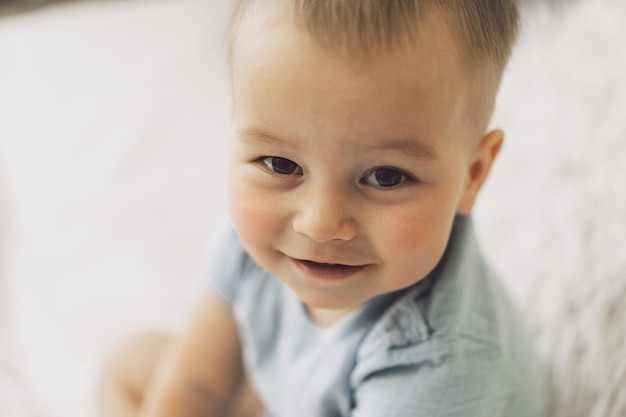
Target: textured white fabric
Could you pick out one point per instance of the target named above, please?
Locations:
(113, 133)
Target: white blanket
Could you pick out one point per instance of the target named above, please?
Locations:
(113, 147)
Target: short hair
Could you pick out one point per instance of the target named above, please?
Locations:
(486, 29)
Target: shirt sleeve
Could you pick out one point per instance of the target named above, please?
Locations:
(467, 381)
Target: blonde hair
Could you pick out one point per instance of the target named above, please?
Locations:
(486, 29)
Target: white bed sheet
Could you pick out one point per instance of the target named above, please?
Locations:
(113, 147)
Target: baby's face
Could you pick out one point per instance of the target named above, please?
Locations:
(346, 177)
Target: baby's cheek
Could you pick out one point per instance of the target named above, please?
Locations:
(254, 216)
(403, 232)
(415, 244)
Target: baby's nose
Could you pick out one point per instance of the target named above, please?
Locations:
(325, 216)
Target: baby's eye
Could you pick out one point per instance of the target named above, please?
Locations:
(281, 166)
(385, 177)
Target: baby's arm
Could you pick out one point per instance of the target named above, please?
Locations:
(201, 372)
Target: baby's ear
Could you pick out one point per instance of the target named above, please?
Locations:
(480, 164)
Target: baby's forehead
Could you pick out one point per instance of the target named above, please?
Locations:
(394, 96)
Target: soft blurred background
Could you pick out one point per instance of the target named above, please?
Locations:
(113, 148)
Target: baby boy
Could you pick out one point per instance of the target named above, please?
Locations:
(348, 281)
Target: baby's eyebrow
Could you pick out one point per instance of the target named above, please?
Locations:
(253, 136)
(407, 146)
(411, 147)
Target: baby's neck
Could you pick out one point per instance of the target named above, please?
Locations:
(326, 317)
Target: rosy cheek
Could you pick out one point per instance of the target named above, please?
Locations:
(415, 242)
(411, 236)
(251, 214)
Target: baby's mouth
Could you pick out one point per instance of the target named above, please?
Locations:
(327, 270)
(325, 265)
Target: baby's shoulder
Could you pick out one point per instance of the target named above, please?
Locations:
(460, 335)
(457, 322)
(415, 332)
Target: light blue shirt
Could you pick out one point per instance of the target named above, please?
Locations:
(450, 345)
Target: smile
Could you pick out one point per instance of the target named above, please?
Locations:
(327, 271)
